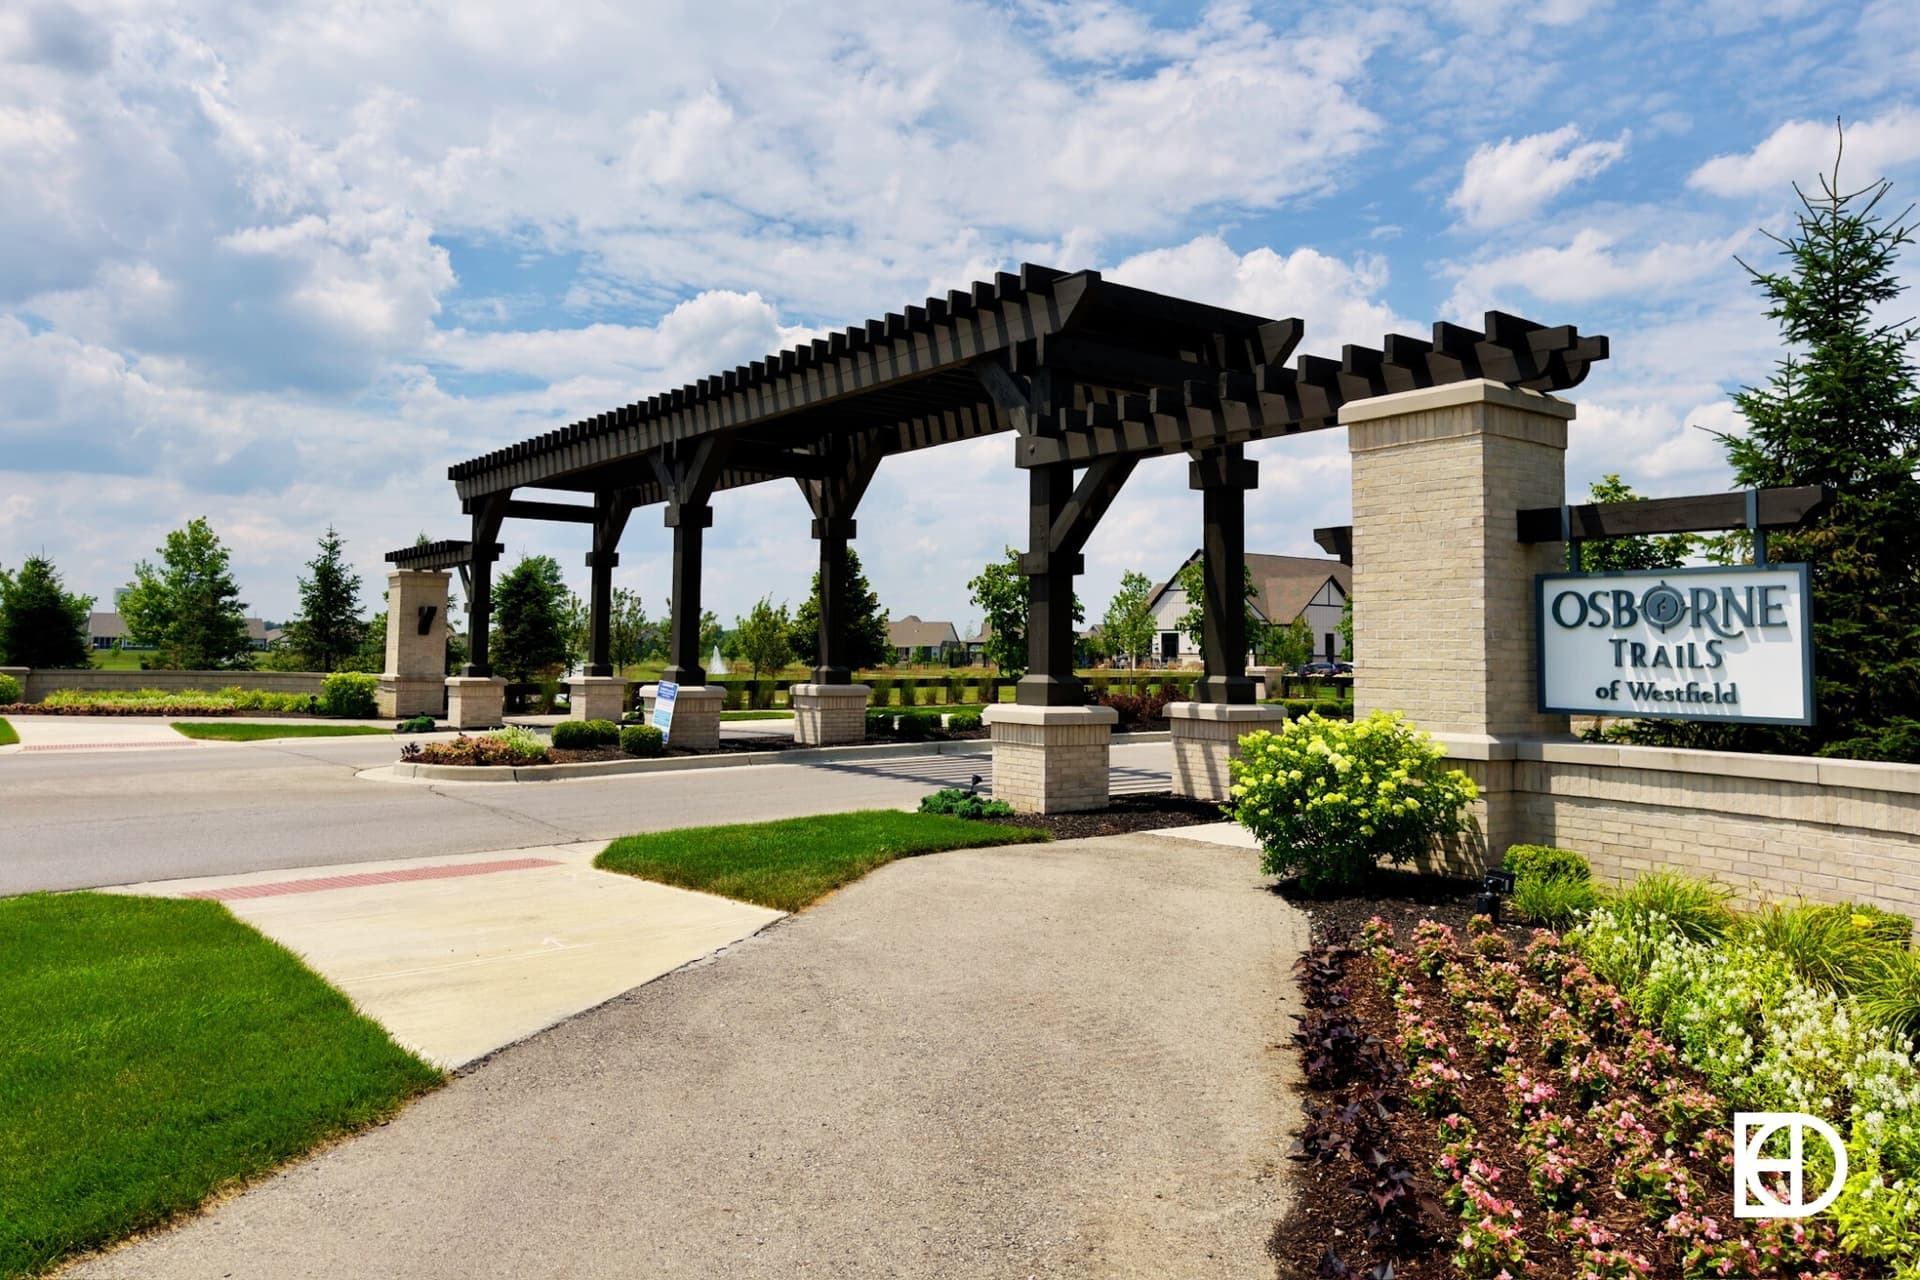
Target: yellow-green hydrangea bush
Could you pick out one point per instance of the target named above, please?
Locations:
(1328, 799)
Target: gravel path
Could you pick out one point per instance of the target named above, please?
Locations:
(1042, 1061)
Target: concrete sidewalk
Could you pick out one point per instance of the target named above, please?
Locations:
(1037, 1061)
(457, 956)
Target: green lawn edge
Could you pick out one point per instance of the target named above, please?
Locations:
(158, 1052)
(211, 732)
(7, 735)
(791, 863)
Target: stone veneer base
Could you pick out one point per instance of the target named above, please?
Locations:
(828, 714)
(1051, 759)
(1205, 736)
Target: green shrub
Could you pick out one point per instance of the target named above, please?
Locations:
(572, 735)
(1328, 799)
(1832, 946)
(962, 803)
(418, 724)
(915, 726)
(261, 700)
(882, 687)
(909, 692)
(349, 693)
(1693, 908)
(1889, 991)
(1553, 902)
(961, 721)
(1544, 862)
(642, 740)
(9, 691)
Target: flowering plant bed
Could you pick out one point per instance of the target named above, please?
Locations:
(1484, 1105)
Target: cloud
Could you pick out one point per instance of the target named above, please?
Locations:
(1802, 150)
(1507, 181)
(1338, 299)
(1590, 266)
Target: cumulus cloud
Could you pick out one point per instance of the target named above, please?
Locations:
(1592, 265)
(1801, 150)
(1338, 299)
(1510, 180)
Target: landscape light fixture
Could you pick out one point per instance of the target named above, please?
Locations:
(1492, 885)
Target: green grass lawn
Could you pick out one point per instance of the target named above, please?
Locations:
(795, 862)
(7, 736)
(155, 1051)
(215, 732)
(756, 715)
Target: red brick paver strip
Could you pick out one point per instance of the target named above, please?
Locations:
(360, 879)
(103, 746)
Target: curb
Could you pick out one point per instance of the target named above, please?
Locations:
(497, 774)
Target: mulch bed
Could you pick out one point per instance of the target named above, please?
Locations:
(1123, 814)
(1401, 898)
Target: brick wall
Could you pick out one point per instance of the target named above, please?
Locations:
(1769, 827)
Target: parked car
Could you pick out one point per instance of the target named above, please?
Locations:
(1320, 669)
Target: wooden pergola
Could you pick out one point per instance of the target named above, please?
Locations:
(1091, 375)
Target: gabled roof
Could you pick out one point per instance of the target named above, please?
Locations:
(1283, 585)
(911, 633)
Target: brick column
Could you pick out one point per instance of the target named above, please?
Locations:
(592, 697)
(1051, 759)
(1443, 590)
(1206, 735)
(829, 714)
(414, 679)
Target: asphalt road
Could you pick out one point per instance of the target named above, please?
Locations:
(83, 819)
(1056, 1060)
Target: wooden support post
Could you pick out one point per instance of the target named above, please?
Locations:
(488, 514)
(610, 512)
(687, 473)
(1223, 477)
(1049, 681)
(833, 533)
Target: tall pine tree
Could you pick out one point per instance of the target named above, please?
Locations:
(1841, 409)
(40, 624)
(328, 632)
(868, 645)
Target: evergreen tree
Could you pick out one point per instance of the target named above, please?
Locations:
(189, 608)
(1842, 409)
(529, 620)
(40, 624)
(327, 634)
(866, 625)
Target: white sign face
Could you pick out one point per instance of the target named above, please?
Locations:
(664, 696)
(1730, 644)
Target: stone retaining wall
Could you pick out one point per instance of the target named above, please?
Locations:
(39, 684)
(1770, 827)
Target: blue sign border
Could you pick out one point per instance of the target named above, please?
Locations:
(1540, 581)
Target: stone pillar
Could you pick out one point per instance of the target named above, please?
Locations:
(696, 715)
(1443, 590)
(829, 714)
(476, 702)
(414, 680)
(592, 697)
(1051, 759)
(1205, 736)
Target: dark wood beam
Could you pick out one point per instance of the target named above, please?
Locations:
(1696, 513)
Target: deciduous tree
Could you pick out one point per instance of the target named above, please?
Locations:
(189, 608)
(763, 637)
(1128, 627)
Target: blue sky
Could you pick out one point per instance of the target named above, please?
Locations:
(282, 266)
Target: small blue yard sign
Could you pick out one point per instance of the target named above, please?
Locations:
(663, 700)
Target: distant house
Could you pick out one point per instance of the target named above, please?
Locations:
(1285, 588)
(977, 644)
(109, 631)
(916, 641)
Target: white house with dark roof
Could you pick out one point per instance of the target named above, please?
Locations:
(1285, 588)
(916, 641)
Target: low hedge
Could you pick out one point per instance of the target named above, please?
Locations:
(350, 694)
(584, 735)
(9, 691)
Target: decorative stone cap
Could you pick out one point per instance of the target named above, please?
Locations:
(466, 682)
(1223, 711)
(1453, 394)
(850, 692)
(1014, 713)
